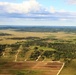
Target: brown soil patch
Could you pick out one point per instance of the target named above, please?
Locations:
(48, 67)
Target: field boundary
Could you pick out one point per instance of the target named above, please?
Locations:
(61, 69)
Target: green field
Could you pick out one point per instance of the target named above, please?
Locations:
(19, 47)
(70, 69)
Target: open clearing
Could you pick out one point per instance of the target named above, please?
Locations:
(46, 67)
(19, 62)
(70, 69)
(15, 34)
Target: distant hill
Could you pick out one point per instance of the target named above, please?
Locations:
(41, 28)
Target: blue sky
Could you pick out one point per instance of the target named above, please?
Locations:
(38, 12)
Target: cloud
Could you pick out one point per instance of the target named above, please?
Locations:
(24, 7)
(31, 9)
(71, 1)
(52, 9)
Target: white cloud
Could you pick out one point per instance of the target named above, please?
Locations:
(52, 9)
(63, 19)
(63, 11)
(72, 1)
(24, 7)
(31, 9)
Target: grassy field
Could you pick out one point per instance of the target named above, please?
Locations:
(52, 36)
(14, 34)
(70, 69)
(24, 65)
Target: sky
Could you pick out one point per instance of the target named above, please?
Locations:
(38, 12)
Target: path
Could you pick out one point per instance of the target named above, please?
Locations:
(4, 54)
(16, 56)
(61, 69)
(39, 56)
(28, 54)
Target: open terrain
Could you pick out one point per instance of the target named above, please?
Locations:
(70, 69)
(10, 36)
(37, 51)
(44, 68)
(19, 36)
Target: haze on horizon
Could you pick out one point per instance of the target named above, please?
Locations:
(38, 12)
